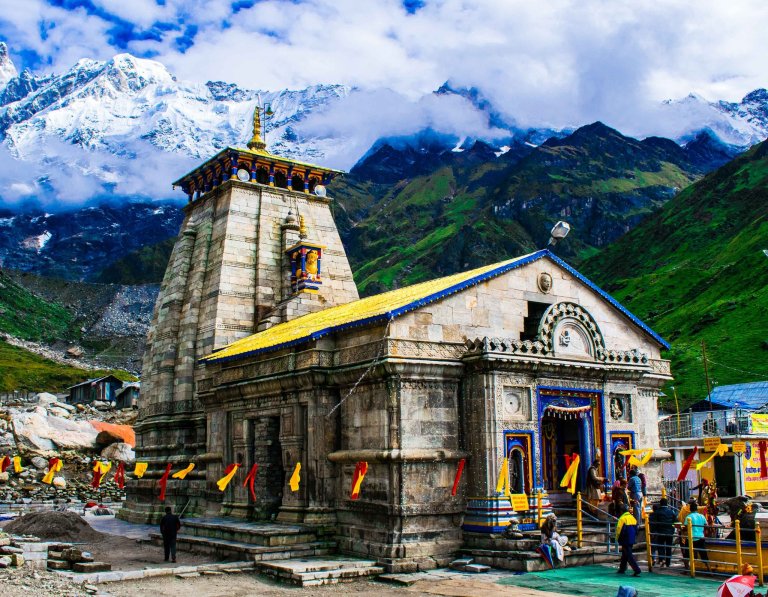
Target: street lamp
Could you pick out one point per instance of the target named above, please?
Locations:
(766, 252)
(559, 232)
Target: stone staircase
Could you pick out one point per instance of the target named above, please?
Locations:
(258, 541)
(320, 571)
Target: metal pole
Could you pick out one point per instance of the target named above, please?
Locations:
(706, 376)
(677, 408)
(648, 546)
(759, 546)
(578, 520)
(691, 558)
(538, 508)
(737, 526)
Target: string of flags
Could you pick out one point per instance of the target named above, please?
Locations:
(101, 468)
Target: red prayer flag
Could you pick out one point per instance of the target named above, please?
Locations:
(164, 481)
(5, 463)
(357, 478)
(763, 468)
(250, 480)
(96, 479)
(458, 476)
(687, 465)
(120, 475)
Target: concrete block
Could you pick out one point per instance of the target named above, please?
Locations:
(91, 566)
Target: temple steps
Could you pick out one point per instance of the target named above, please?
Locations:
(226, 548)
(253, 533)
(320, 571)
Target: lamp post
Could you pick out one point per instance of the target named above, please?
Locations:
(559, 232)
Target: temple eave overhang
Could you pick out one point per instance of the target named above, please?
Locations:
(260, 167)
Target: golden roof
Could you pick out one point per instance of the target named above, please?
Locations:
(372, 309)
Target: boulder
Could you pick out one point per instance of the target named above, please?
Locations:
(7, 442)
(120, 452)
(101, 405)
(5, 561)
(73, 352)
(40, 462)
(59, 483)
(65, 406)
(4, 477)
(39, 432)
(109, 433)
(45, 398)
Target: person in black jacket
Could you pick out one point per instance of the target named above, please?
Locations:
(169, 528)
(662, 522)
(626, 531)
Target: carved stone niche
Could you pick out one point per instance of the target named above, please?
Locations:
(572, 340)
(620, 407)
(516, 402)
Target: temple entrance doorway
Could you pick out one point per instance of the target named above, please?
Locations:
(563, 439)
(267, 453)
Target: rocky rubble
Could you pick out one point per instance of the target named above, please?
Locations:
(77, 435)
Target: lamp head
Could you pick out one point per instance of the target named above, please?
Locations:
(559, 232)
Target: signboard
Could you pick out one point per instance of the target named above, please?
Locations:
(739, 447)
(753, 484)
(711, 443)
(759, 423)
(519, 502)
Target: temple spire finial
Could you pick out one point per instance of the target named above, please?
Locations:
(257, 143)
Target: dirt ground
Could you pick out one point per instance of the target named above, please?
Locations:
(248, 585)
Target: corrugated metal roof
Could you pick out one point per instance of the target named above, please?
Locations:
(746, 395)
(388, 305)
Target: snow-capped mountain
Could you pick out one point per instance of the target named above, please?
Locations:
(101, 105)
(7, 69)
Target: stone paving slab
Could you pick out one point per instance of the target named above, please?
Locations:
(119, 575)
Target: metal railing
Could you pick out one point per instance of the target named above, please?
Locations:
(705, 424)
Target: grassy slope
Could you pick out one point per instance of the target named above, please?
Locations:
(27, 316)
(145, 266)
(446, 221)
(695, 271)
(23, 370)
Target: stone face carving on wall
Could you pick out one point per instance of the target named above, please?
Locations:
(620, 407)
(544, 282)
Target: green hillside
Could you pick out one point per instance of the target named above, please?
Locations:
(145, 266)
(475, 208)
(23, 370)
(27, 316)
(696, 271)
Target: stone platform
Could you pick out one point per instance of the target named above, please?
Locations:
(320, 571)
(258, 541)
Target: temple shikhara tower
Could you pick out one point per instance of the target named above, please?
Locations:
(261, 352)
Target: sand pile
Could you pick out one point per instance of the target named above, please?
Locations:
(59, 526)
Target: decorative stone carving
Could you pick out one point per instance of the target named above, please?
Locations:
(544, 282)
(516, 402)
(620, 408)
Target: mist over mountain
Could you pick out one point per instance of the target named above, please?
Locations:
(125, 128)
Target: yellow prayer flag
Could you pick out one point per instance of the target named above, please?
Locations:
(646, 454)
(224, 481)
(295, 478)
(502, 484)
(569, 479)
(48, 478)
(721, 450)
(183, 473)
(140, 469)
(17, 468)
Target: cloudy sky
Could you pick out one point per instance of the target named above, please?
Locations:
(553, 61)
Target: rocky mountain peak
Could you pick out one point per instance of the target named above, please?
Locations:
(7, 68)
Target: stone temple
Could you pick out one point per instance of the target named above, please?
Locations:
(261, 351)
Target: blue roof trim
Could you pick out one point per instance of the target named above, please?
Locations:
(633, 318)
(389, 315)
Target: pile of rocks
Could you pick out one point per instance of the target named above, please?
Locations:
(65, 557)
(77, 435)
(10, 553)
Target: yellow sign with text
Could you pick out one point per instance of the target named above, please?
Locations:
(759, 423)
(711, 443)
(519, 502)
(739, 447)
(753, 483)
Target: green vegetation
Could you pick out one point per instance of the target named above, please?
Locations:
(23, 370)
(696, 271)
(27, 316)
(473, 210)
(145, 266)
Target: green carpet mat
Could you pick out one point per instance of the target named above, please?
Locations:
(602, 581)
